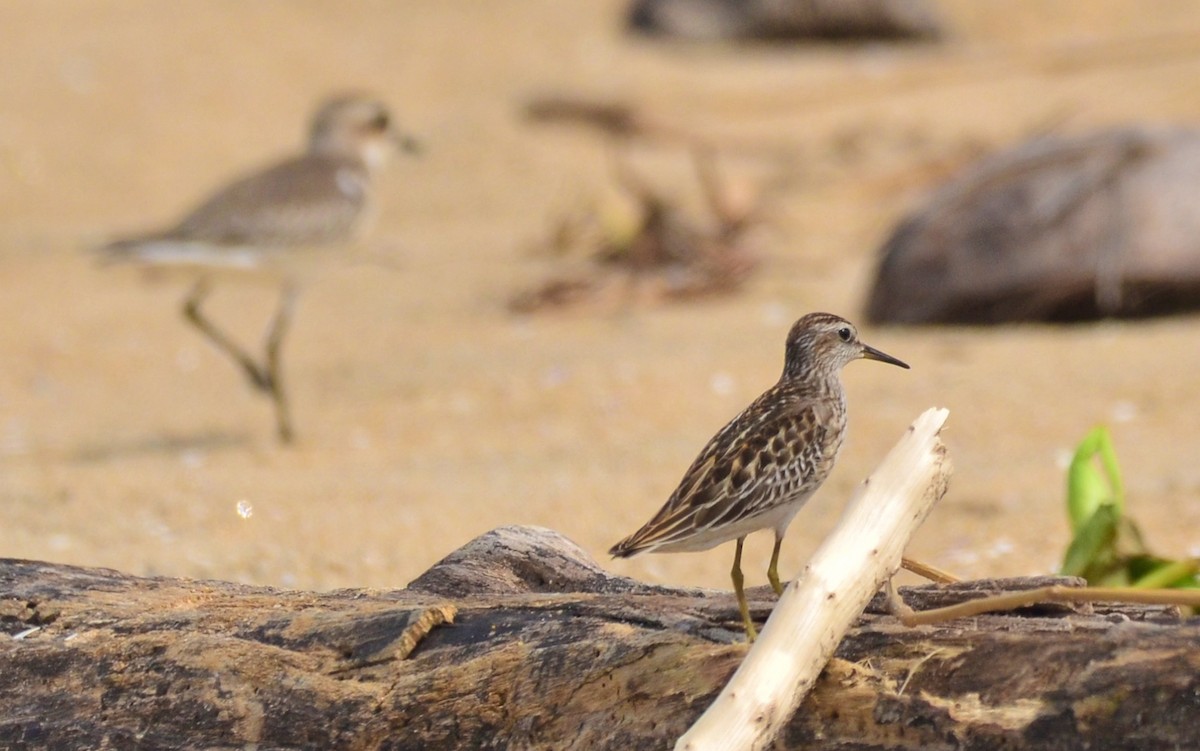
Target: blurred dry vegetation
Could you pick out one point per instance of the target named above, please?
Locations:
(641, 242)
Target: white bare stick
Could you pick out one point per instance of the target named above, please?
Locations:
(818, 608)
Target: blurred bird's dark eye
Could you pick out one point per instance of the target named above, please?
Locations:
(844, 334)
(380, 121)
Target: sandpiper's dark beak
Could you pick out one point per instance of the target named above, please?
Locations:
(873, 354)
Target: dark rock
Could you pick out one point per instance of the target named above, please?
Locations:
(1056, 229)
(780, 20)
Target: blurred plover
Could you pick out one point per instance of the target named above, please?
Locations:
(261, 221)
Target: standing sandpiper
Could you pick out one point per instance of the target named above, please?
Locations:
(761, 468)
(318, 198)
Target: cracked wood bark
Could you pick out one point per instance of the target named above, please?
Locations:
(519, 640)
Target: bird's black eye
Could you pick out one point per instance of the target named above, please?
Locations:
(380, 121)
(845, 334)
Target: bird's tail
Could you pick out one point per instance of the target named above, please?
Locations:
(628, 547)
(124, 249)
(165, 250)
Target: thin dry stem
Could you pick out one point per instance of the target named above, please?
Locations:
(1025, 598)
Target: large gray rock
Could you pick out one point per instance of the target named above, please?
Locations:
(1056, 229)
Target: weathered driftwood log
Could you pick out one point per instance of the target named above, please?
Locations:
(775, 20)
(519, 640)
(1056, 229)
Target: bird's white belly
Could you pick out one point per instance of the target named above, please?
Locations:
(193, 254)
(777, 518)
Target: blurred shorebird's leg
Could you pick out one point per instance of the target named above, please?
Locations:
(274, 363)
(259, 378)
(773, 569)
(740, 592)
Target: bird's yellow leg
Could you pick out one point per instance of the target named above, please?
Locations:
(738, 590)
(773, 569)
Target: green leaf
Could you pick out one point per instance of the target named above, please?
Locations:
(1087, 487)
(1093, 544)
(1108, 458)
(1169, 574)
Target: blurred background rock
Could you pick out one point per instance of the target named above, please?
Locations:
(1063, 229)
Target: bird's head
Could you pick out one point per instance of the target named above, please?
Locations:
(822, 343)
(359, 126)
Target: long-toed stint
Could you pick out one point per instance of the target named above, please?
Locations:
(263, 219)
(762, 467)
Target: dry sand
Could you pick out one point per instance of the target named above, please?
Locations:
(427, 414)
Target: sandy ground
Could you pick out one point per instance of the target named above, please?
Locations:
(429, 415)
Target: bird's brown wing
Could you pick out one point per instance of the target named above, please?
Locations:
(299, 201)
(769, 454)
